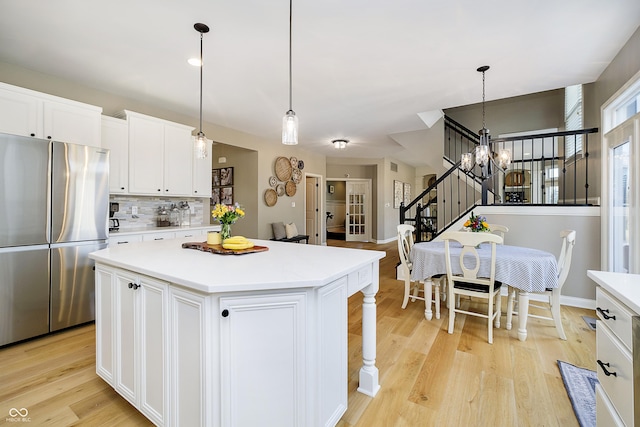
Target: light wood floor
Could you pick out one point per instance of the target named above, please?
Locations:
(427, 377)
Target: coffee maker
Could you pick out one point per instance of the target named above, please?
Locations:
(114, 223)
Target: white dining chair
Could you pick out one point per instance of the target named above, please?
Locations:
(499, 229)
(552, 294)
(469, 283)
(412, 289)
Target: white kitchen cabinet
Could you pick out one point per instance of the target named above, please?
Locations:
(132, 341)
(256, 332)
(617, 307)
(202, 172)
(115, 137)
(159, 156)
(195, 233)
(30, 113)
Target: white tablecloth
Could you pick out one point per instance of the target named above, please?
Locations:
(530, 270)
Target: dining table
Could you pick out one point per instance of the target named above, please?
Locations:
(526, 269)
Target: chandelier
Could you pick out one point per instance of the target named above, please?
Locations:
(483, 155)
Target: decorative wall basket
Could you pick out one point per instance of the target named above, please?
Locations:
(283, 169)
(290, 188)
(270, 197)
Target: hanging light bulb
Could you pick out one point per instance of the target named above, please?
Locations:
(290, 120)
(201, 141)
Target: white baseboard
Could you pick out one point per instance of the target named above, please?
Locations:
(564, 300)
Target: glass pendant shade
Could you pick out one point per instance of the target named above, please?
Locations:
(290, 128)
(504, 159)
(201, 146)
(482, 155)
(466, 161)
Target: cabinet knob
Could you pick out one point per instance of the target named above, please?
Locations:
(122, 188)
(166, 189)
(133, 286)
(225, 313)
(159, 189)
(49, 137)
(33, 134)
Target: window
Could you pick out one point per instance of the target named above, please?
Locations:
(573, 120)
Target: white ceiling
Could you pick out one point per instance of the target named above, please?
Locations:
(362, 70)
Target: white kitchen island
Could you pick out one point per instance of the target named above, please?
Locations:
(192, 338)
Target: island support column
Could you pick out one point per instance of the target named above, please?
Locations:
(369, 372)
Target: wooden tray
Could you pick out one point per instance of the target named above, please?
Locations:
(218, 249)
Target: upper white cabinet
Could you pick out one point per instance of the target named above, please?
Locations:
(202, 173)
(29, 113)
(115, 137)
(159, 156)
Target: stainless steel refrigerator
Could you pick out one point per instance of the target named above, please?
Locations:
(53, 211)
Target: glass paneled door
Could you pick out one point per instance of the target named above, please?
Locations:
(358, 202)
(623, 234)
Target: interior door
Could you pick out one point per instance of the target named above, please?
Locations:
(311, 210)
(624, 234)
(358, 201)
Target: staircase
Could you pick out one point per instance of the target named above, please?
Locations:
(544, 178)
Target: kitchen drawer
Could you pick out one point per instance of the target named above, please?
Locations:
(120, 240)
(619, 388)
(196, 234)
(159, 236)
(606, 415)
(620, 316)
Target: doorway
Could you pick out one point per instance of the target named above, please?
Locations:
(348, 209)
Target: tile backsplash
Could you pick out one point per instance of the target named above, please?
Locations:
(148, 210)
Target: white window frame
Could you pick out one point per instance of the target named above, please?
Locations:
(573, 120)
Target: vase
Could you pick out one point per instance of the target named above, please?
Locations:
(225, 231)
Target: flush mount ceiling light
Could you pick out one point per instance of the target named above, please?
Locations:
(290, 120)
(201, 141)
(340, 144)
(483, 154)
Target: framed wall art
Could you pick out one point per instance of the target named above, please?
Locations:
(398, 193)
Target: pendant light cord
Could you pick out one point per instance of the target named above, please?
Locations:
(201, 67)
(483, 121)
(290, 74)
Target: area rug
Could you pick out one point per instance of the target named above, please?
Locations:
(581, 388)
(590, 321)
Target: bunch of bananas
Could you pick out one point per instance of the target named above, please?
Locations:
(237, 242)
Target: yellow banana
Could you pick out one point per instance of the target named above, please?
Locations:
(230, 245)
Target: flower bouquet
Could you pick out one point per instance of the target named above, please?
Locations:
(477, 223)
(226, 215)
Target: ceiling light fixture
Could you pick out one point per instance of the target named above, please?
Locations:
(201, 141)
(290, 120)
(340, 144)
(483, 154)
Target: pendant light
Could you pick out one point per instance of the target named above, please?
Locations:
(290, 120)
(201, 141)
(483, 155)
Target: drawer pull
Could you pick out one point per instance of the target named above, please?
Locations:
(605, 313)
(133, 286)
(606, 372)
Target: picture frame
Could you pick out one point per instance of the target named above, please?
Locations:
(406, 193)
(215, 177)
(226, 195)
(398, 193)
(215, 196)
(226, 176)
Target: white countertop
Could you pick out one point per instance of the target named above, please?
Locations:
(283, 266)
(625, 287)
(145, 230)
